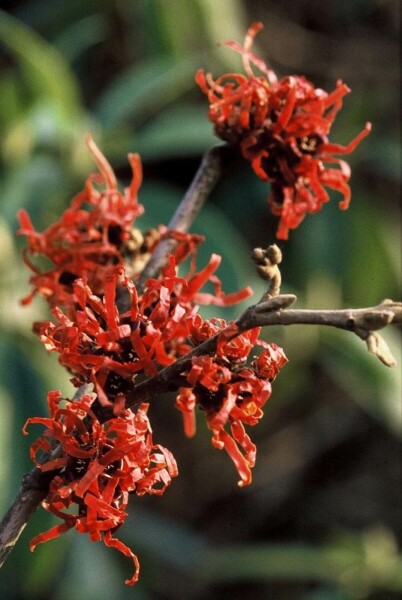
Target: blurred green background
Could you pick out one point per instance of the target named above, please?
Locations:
(322, 519)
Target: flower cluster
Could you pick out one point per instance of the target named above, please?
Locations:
(93, 236)
(229, 392)
(99, 466)
(282, 129)
(112, 334)
(110, 349)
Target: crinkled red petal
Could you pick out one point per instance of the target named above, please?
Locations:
(221, 439)
(112, 542)
(53, 533)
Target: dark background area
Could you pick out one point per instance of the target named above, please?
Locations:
(322, 518)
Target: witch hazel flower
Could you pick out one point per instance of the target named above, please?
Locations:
(99, 466)
(282, 128)
(109, 349)
(93, 236)
(230, 393)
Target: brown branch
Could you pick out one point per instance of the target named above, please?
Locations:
(207, 176)
(364, 322)
(34, 488)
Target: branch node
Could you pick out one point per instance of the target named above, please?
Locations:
(377, 319)
(390, 302)
(273, 304)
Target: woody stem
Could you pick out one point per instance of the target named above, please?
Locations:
(364, 322)
(34, 488)
(207, 176)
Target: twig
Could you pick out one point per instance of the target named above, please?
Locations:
(207, 176)
(364, 322)
(34, 488)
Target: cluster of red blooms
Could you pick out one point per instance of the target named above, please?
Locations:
(88, 243)
(109, 333)
(282, 128)
(101, 464)
(229, 392)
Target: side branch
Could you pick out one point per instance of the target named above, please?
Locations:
(364, 322)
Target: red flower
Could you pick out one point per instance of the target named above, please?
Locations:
(270, 361)
(109, 349)
(229, 393)
(282, 128)
(91, 236)
(208, 373)
(101, 464)
(95, 235)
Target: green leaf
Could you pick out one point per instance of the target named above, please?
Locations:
(145, 89)
(328, 594)
(172, 542)
(373, 269)
(182, 131)
(26, 395)
(80, 35)
(48, 561)
(90, 566)
(44, 67)
(34, 185)
(357, 566)
(7, 426)
(11, 103)
(232, 27)
(385, 157)
(288, 562)
(172, 35)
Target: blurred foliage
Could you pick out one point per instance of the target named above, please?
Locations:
(322, 518)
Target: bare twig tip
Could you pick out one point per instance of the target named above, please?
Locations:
(377, 346)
